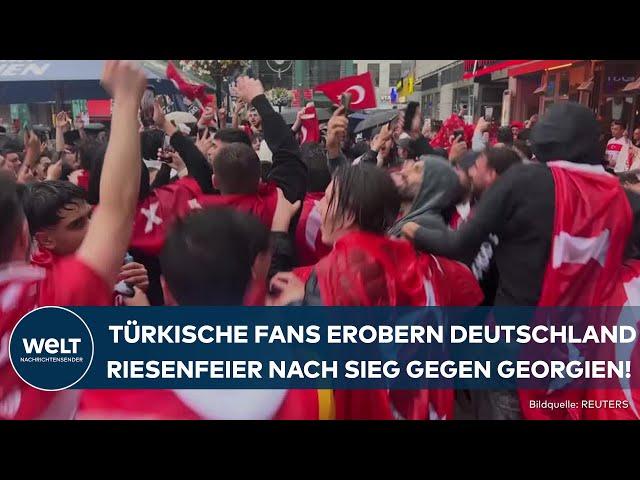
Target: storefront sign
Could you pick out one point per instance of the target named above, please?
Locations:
(617, 75)
(17, 68)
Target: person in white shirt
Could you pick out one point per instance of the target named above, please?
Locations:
(617, 152)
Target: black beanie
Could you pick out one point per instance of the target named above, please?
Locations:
(567, 131)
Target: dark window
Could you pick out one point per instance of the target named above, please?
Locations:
(429, 82)
(374, 68)
(395, 74)
(452, 74)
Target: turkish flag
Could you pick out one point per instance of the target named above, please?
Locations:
(360, 86)
(310, 127)
(587, 251)
(190, 90)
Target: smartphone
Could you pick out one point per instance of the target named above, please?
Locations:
(122, 287)
(345, 100)
(458, 133)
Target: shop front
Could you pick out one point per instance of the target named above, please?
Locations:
(609, 88)
(615, 95)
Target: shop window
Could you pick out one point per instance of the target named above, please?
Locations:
(551, 85)
(563, 84)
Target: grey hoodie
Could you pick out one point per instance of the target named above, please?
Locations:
(440, 190)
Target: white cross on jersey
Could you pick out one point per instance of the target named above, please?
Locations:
(152, 217)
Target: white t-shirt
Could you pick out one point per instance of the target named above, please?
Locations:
(617, 153)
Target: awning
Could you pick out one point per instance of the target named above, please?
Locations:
(632, 86)
(476, 68)
(541, 89)
(586, 86)
(35, 81)
(538, 65)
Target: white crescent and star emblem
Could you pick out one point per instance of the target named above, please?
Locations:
(304, 134)
(359, 91)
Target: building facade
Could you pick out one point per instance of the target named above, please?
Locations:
(442, 90)
(385, 74)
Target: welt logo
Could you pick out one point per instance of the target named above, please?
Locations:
(51, 346)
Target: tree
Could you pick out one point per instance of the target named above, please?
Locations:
(214, 71)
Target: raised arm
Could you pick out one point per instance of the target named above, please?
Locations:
(288, 171)
(107, 239)
(194, 160)
(336, 131)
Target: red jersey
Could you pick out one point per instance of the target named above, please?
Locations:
(262, 204)
(24, 287)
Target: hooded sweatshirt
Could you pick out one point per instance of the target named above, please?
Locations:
(439, 192)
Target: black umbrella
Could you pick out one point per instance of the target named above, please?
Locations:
(376, 119)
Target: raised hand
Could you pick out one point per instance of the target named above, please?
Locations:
(249, 88)
(336, 132)
(124, 79)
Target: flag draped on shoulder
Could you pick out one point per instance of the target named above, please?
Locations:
(591, 225)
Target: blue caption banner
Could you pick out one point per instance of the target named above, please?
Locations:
(54, 348)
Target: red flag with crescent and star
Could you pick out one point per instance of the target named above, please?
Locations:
(360, 86)
(310, 127)
(589, 238)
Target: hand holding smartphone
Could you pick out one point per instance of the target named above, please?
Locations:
(345, 100)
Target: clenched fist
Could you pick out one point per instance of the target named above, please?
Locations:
(248, 88)
(124, 79)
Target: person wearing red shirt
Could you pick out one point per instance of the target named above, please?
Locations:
(88, 276)
(58, 216)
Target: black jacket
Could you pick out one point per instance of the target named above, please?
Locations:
(288, 170)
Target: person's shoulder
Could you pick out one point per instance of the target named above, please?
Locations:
(524, 172)
(71, 281)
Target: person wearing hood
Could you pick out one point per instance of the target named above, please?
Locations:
(429, 190)
(541, 212)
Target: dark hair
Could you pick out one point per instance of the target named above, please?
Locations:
(88, 150)
(11, 216)
(367, 192)
(146, 107)
(315, 158)
(42, 202)
(505, 135)
(12, 145)
(523, 148)
(233, 135)
(501, 159)
(208, 256)
(524, 134)
(95, 173)
(620, 123)
(237, 169)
